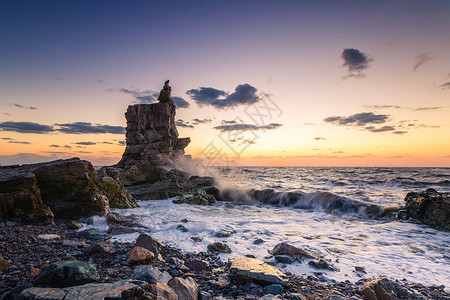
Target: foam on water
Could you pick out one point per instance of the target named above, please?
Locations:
(395, 249)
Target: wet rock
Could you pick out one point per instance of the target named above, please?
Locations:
(186, 289)
(150, 274)
(94, 234)
(100, 251)
(196, 239)
(296, 296)
(220, 282)
(115, 218)
(139, 255)
(67, 273)
(119, 229)
(219, 247)
(430, 207)
(321, 264)
(196, 265)
(286, 249)
(70, 243)
(258, 241)
(182, 228)
(204, 295)
(114, 190)
(154, 291)
(37, 293)
(148, 242)
(175, 261)
(226, 232)
(274, 289)
(270, 297)
(74, 225)
(199, 198)
(255, 270)
(4, 264)
(284, 259)
(335, 295)
(360, 269)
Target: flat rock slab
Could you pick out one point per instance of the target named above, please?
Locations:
(48, 236)
(92, 291)
(255, 270)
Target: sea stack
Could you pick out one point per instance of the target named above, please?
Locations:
(151, 134)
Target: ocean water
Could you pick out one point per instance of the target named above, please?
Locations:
(344, 236)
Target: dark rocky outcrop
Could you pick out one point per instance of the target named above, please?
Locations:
(69, 187)
(67, 273)
(430, 207)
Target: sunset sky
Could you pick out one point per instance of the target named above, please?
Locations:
(259, 83)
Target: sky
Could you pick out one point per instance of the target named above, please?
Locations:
(256, 83)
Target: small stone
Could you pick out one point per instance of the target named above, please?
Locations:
(184, 221)
(360, 269)
(4, 264)
(296, 296)
(335, 295)
(227, 232)
(150, 274)
(48, 236)
(148, 242)
(182, 228)
(196, 239)
(219, 247)
(284, 259)
(286, 249)
(196, 265)
(74, 225)
(204, 295)
(274, 289)
(139, 255)
(100, 251)
(115, 218)
(258, 241)
(77, 244)
(320, 264)
(94, 234)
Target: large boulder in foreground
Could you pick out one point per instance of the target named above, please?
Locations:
(67, 273)
(385, 289)
(255, 270)
(430, 207)
(21, 197)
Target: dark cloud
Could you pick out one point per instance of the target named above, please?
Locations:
(201, 121)
(399, 132)
(84, 127)
(380, 129)
(246, 127)
(445, 86)
(355, 61)
(82, 152)
(421, 59)
(25, 127)
(182, 123)
(122, 143)
(149, 96)
(18, 142)
(58, 146)
(359, 119)
(243, 94)
(21, 106)
(319, 138)
(85, 143)
(108, 143)
(428, 108)
(228, 122)
(6, 139)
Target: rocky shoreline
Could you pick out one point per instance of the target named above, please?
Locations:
(30, 250)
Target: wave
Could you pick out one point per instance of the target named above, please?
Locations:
(324, 201)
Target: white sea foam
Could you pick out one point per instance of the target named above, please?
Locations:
(395, 249)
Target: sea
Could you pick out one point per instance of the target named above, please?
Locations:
(347, 234)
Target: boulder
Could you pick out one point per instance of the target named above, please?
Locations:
(286, 249)
(150, 274)
(199, 198)
(219, 247)
(153, 291)
(385, 289)
(139, 255)
(273, 289)
(255, 270)
(197, 265)
(67, 273)
(321, 264)
(94, 234)
(21, 197)
(186, 289)
(148, 242)
(430, 207)
(115, 192)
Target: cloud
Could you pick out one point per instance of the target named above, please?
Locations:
(25, 127)
(182, 123)
(228, 122)
(421, 59)
(246, 127)
(100, 81)
(389, 44)
(25, 158)
(6, 139)
(359, 119)
(6, 114)
(356, 62)
(445, 86)
(108, 143)
(18, 142)
(387, 106)
(201, 121)
(21, 106)
(85, 143)
(400, 132)
(243, 94)
(380, 129)
(319, 138)
(149, 96)
(84, 127)
(122, 143)
(242, 141)
(58, 146)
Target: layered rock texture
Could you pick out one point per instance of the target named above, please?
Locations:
(70, 188)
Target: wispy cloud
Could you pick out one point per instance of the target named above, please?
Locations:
(21, 106)
(98, 80)
(421, 59)
(19, 142)
(246, 127)
(201, 121)
(359, 119)
(85, 143)
(87, 128)
(181, 123)
(319, 138)
(389, 106)
(445, 86)
(243, 94)
(25, 127)
(150, 96)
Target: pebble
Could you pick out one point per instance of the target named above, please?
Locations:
(48, 236)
